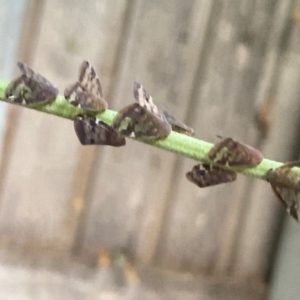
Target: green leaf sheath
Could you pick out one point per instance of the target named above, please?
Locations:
(178, 143)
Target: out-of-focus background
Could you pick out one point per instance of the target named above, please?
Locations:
(103, 223)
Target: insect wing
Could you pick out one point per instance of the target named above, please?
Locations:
(30, 88)
(144, 99)
(136, 121)
(179, 126)
(290, 198)
(91, 131)
(205, 175)
(284, 176)
(142, 119)
(286, 187)
(17, 91)
(235, 154)
(86, 93)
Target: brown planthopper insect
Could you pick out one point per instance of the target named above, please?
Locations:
(30, 88)
(205, 175)
(179, 126)
(286, 187)
(142, 119)
(86, 93)
(91, 131)
(235, 154)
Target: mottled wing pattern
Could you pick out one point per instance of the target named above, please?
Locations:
(179, 126)
(286, 187)
(235, 154)
(289, 198)
(283, 175)
(142, 119)
(91, 131)
(144, 99)
(30, 88)
(205, 175)
(86, 93)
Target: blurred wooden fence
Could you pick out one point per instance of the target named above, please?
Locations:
(214, 64)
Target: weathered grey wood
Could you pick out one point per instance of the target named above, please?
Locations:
(29, 207)
(38, 180)
(13, 113)
(11, 17)
(208, 62)
(285, 283)
(223, 104)
(132, 185)
(255, 240)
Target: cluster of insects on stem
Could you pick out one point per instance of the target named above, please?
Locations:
(143, 120)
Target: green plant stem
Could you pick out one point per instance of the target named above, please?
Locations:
(178, 143)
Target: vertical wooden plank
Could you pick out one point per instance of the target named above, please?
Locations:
(11, 17)
(284, 283)
(37, 184)
(223, 104)
(285, 268)
(11, 13)
(282, 145)
(131, 186)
